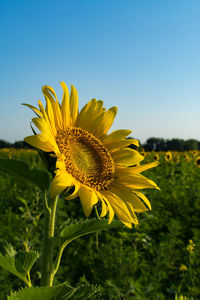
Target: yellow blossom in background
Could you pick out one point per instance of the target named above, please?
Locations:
(190, 247)
(147, 154)
(181, 297)
(197, 161)
(186, 157)
(176, 157)
(156, 156)
(168, 156)
(98, 165)
(195, 152)
(142, 152)
(182, 267)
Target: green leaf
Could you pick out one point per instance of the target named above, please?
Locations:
(18, 263)
(74, 231)
(82, 292)
(25, 260)
(16, 167)
(58, 292)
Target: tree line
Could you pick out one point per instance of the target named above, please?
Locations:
(151, 144)
(160, 144)
(17, 145)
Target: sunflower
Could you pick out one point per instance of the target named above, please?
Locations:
(168, 156)
(194, 152)
(186, 157)
(197, 161)
(176, 157)
(98, 166)
(156, 156)
(182, 268)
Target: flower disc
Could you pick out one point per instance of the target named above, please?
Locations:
(86, 159)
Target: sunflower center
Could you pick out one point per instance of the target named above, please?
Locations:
(198, 161)
(86, 159)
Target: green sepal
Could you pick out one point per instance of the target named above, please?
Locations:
(58, 292)
(17, 263)
(38, 177)
(78, 229)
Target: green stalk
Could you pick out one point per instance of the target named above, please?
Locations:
(47, 243)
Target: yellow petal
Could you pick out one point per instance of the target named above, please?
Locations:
(38, 141)
(137, 205)
(132, 212)
(86, 114)
(73, 104)
(139, 169)
(135, 181)
(88, 199)
(42, 125)
(65, 106)
(92, 115)
(135, 142)
(59, 183)
(46, 131)
(126, 194)
(45, 116)
(51, 95)
(127, 157)
(129, 197)
(74, 194)
(59, 115)
(119, 144)
(116, 135)
(103, 123)
(144, 198)
(119, 206)
(99, 107)
(129, 225)
(41, 107)
(34, 109)
(49, 91)
(60, 163)
(50, 114)
(104, 208)
(110, 209)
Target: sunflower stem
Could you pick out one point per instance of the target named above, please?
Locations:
(47, 243)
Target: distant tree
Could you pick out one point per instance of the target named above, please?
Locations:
(151, 144)
(4, 144)
(160, 144)
(191, 144)
(175, 144)
(21, 144)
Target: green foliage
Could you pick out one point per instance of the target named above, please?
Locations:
(18, 263)
(143, 263)
(59, 292)
(18, 168)
(78, 229)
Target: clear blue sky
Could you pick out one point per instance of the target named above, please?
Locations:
(142, 56)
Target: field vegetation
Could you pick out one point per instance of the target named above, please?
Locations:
(159, 259)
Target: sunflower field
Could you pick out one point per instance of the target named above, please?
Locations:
(157, 259)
